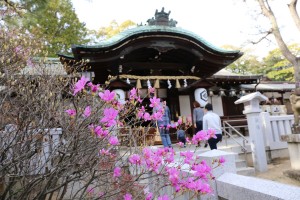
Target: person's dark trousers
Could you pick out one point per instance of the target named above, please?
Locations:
(182, 139)
(199, 126)
(213, 141)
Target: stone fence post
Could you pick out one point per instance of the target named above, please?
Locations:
(252, 111)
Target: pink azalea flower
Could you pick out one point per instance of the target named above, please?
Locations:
(117, 172)
(164, 197)
(151, 90)
(139, 99)
(127, 196)
(205, 188)
(133, 94)
(87, 111)
(143, 109)
(222, 160)
(107, 95)
(202, 170)
(94, 88)
(79, 85)
(147, 116)
(155, 102)
(169, 158)
(113, 140)
(188, 156)
(211, 133)
(179, 121)
(157, 115)
(173, 176)
(110, 115)
(140, 114)
(180, 144)
(71, 112)
(201, 135)
(104, 152)
(188, 139)
(149, 196)
(100, 132)
(135, 159)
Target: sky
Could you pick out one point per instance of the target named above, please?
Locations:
(220, 22)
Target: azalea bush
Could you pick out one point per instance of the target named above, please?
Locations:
(64, 137)
(149, 169)
(88, 160)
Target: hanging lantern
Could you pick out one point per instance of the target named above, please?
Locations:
(138, 84)
(178, 84)
(243, 92)
(232, 92)
(210, 93)
(222, 92)
(156, 84)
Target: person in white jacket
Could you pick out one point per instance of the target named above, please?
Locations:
(212, 121)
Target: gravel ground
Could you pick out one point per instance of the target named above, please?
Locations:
(278, 171)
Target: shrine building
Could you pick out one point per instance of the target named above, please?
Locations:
(181, 65)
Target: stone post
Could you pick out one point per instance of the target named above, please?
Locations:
(293, 141)
(252, 111)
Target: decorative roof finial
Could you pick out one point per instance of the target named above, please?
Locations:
(162, 19)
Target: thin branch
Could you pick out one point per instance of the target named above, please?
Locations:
(266, 34)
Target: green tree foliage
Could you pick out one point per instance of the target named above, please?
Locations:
(54, 22)
(247, 64)
(267, 8)
(277, 67)
(114, 28)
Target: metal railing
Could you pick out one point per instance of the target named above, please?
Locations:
(228, 128)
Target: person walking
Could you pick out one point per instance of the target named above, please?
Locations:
(198, 117)
(212, 121)
(181, 135)
(163, 125)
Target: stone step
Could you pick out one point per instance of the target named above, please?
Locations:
(235, 149)
(246, 171)
(239, 163)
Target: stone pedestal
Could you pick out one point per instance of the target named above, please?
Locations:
(228, 167)
(252, 111)
(293, 141)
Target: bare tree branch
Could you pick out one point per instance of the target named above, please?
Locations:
(264, 37)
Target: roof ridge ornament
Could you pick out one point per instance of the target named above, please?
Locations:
(161, 19)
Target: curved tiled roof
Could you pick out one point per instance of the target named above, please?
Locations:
(154, 29)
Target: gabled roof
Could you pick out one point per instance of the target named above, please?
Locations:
(157, 30)
(159, 48)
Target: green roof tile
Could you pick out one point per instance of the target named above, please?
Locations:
(159, 29)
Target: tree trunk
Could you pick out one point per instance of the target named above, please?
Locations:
(293, 59)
